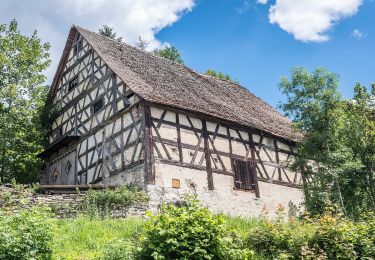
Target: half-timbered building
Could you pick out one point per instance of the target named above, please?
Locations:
(129, 117)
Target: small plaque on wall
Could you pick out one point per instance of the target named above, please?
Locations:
(176, 183)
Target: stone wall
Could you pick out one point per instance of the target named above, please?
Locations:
(63, 205)
(224, 198)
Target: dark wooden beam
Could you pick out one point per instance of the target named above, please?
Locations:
(253, 164)
(210, 180)
(277, 159)
(179, 137)
(149, 172)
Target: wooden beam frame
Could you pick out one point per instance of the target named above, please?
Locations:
(148, 144)
(210, 180)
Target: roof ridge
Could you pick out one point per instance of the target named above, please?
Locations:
(129, 45)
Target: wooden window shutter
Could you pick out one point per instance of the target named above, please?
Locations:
(244, 175)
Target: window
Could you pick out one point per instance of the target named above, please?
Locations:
(68, 167)
(98, 105)
(59, 132)
(55, 174)
(244, 175)
(77, 47)
(113, 147)
(73, 82)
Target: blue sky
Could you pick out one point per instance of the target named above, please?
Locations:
(257, 53)
(255, 41)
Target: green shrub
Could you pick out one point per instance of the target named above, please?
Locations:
(26, 235)
(364, 243)
(278, 240)
(325, 237)
(334, 237)
(189, 232)
(100, 202)
(120, 250)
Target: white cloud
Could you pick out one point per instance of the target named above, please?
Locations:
(263, 2)
(310, 20)
(358, 34)
(244, 7)
(129, 18)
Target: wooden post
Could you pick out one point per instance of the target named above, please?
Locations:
(149, 172)
(179, 137)
(277, 159)
(253, 164)
(207, 156)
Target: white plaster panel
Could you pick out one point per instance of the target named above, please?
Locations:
(188, 137)
(227, 163)
(167, 132)
(120, 105)
(187, 155)
(156, 112)
(282, 146)
(211, 127)
(197, 123)
(233, 133)
(161, 150)
(220, 144)
(132, 176)
(238, 148)
(170, 117)
(183, 120)
(128, 154)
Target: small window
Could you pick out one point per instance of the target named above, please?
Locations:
(130, 96)
(98, 105)
(77, 47)
(55, 174)
(68, 167)
(73, 82)
(59, 132)
(244, 175)
(113, 147)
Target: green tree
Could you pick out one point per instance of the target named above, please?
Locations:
(170, 53)
(108, 32)
(22, 95)
(142, 43)
(339, 140)
(220, 75)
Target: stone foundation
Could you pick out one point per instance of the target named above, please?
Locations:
(224, 198)
(63, 205)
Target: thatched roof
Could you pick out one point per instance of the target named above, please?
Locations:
(165, 82)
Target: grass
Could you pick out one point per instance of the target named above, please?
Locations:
(85, 238)
(241, 226)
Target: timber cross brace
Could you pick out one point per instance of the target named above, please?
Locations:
(183, 139)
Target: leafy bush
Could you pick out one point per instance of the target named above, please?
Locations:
(120, 250)
(334, 238)
(189, 232)
(100, 202)
(278, 240)
(325, 237)
(365, 237)
(25, 236)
